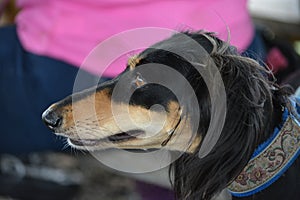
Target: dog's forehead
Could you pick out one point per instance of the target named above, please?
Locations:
(192, 47)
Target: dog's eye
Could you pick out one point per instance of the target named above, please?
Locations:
(139, 81)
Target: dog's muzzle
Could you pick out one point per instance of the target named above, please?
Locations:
(52, 119)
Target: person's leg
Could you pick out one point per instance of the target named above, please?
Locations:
(28, 85)
(154, 192)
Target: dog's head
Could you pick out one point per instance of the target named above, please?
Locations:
(143, 108)
(138, 110)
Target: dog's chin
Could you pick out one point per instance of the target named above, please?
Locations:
(87, 144)
(125, 140)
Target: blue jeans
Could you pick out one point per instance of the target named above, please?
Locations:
(29, 83)
(257, 49)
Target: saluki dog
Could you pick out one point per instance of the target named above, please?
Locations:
(255, 152)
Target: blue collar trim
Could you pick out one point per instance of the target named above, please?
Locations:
(247, 183)
(277, 129)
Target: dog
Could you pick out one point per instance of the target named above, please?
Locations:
(252, 155)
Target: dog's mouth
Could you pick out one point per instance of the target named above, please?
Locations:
(125, 136)
(116, 138)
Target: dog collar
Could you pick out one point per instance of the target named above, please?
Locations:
(271, 159)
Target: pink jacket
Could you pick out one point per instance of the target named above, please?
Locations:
(69, 29)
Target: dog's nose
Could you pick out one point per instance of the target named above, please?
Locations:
(52, 119)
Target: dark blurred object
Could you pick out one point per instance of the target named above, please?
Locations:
(281, 58)
(281, 16)
(150, 192)
(282, 19)
(61, 176)
(289, 31)
(8, 11)
(39, 176)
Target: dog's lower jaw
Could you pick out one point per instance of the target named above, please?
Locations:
(184, 145)
(181, 143)
(184, 139)
(73, 143)
(180, 139)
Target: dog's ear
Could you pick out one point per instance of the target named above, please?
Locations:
(249, 107)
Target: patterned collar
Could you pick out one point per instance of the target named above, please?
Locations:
(271, 159)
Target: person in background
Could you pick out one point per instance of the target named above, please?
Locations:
(41, 53)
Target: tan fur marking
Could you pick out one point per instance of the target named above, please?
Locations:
(133, 61)
(92, 118)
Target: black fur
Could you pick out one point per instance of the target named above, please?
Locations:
(254, 108)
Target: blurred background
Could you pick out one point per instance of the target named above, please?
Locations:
(70, 174)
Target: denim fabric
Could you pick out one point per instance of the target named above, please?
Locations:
(29, 83)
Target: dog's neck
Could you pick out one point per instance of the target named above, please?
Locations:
(271, 159)
(271, 123)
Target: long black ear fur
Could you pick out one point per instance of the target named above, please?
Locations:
(250, 111)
